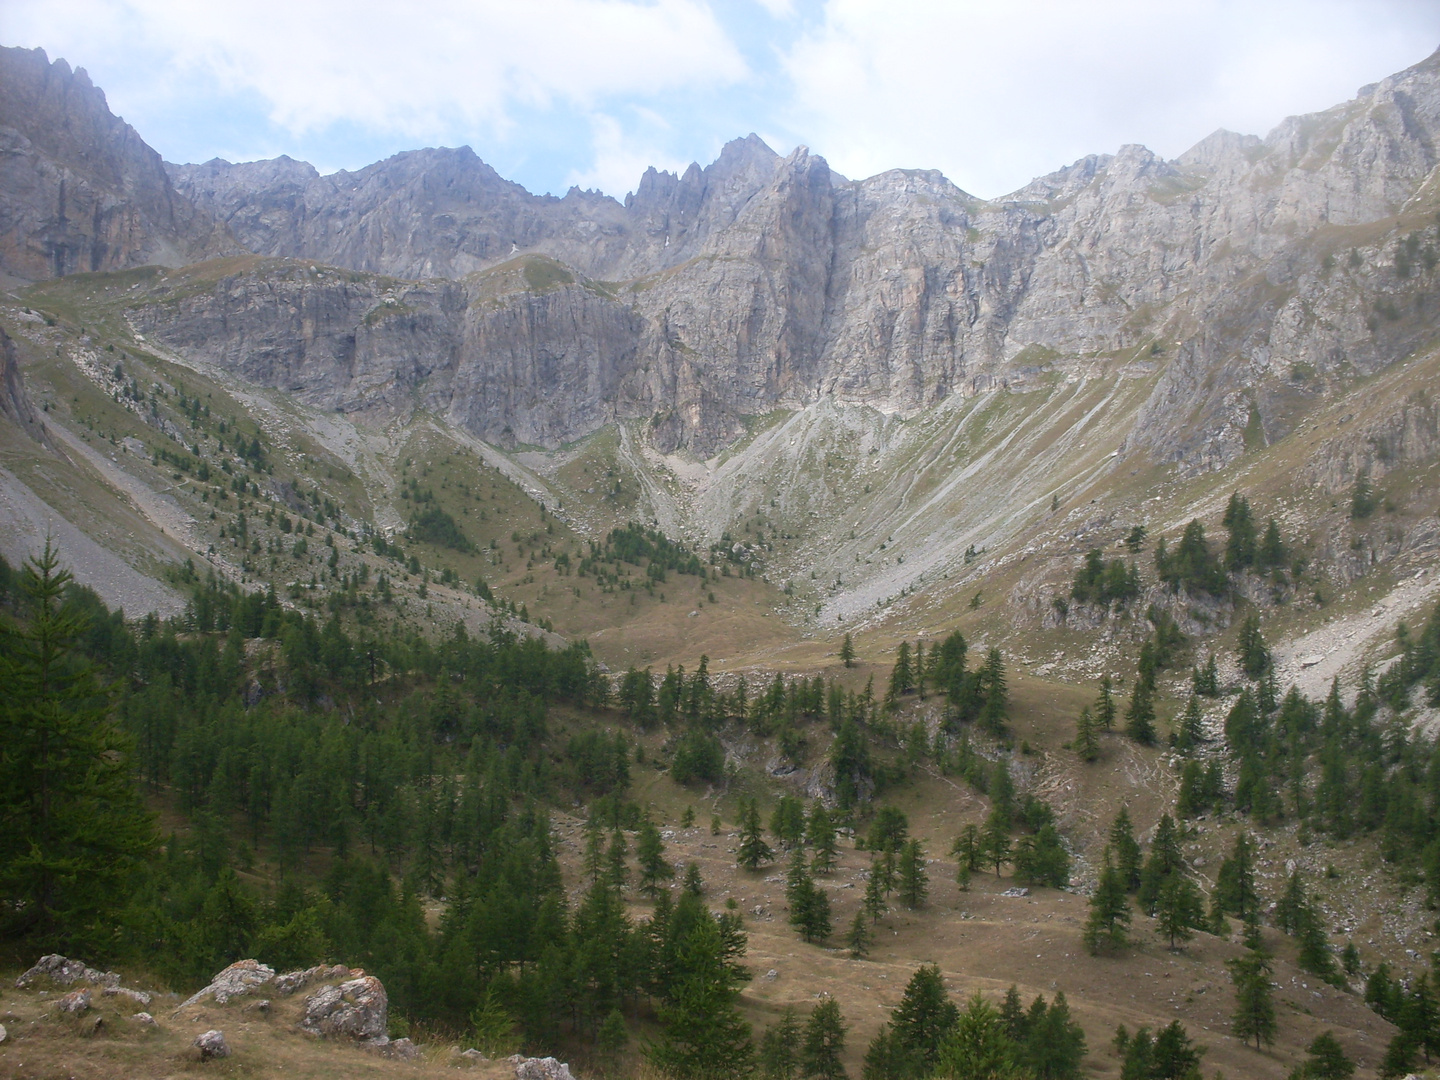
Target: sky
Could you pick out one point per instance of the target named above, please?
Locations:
(555, 93)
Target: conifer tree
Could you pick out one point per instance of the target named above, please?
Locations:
(1087, 745)
(704, 1037)
(874, 904)
(996, 839)
(1235, 892)
(1140, 715)
(1254, 1016)
(809, 906)
(914, 881)
(820, 835)
(923, 1020)
(612, 1037)
(779, 1056)
(650, 854)
(753, 848)
(969, 850)
(617, 871)
(1205, 681)
(824, 1043)
(1326, 1058)
(995, 693)
(860, 937)
(847, 652)
(1125, 849)
(1190, 733)
(1109, 918)
(787, 822)
(1179, 909)
(1165, 862)
(72, 826)
(901, 677)
(1252, 652)
(1105, 704)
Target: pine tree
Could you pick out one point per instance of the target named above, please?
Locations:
(847, 652)
(1140, 715)
(820, 835)
(1126, 849)
(809, 906)
(914, 882)
(1179, 909)
(1191, 733)
(824, 1043)
(1205, 681)
(1253, 653)
(1105, 928)
(874, 904)
(72, 827)
(753, 848)
(1326, 1061)
(901, 678)
(1254, 1016)
(861, 936)
(1087, 746)
(1105, 705)
(650, 854)
(780, 1047)
(969, 850)
(704, 1036)
(924, 1019)
(996, 839)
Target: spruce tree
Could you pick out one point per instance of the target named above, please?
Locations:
(1140, 715)
(1254, 1016)
(861, 936)
(1087, 745)
(779, 1056)
(824, 1043)
(72, 827)
(650, 854)
(1105, 704)
(914, 881)
(753, 848)
(1125, 849)
(1179, 909)
(996, 839)
(1190, 733)
(1105, 928)
(1205, 681)
(820, 835)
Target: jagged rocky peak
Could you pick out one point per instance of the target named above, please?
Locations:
(79, 189)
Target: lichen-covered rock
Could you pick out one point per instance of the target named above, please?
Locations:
(140, 997)
(395, 1049)
(546, 1068)
(237, 980)
(357, 1008)
(74, 1003)
(64, 971)
(144, 1019)
(212, 1044)
(292, 981)
(3, 1034)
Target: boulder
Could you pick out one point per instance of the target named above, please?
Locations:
(395, 1049)
(3, 1035)
(357, 1008)
(237, 980)
(546, 1068)
(292, 981)
(60, 969)
(212, 1044)
(140, 997)
(75, 1002)
(472, 1055)
(144, 1019)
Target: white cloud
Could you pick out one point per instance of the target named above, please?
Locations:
(416, 69)
(994, 94)
(619, 158)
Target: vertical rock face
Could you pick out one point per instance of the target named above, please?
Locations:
(764, 280)
(79, 189)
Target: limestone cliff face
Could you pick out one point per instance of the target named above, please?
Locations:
(1247, 273)
(79, 189)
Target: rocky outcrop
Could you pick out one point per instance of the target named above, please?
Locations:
(239, 979)
(79, 189)
(63, 971)
(357, 1009)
